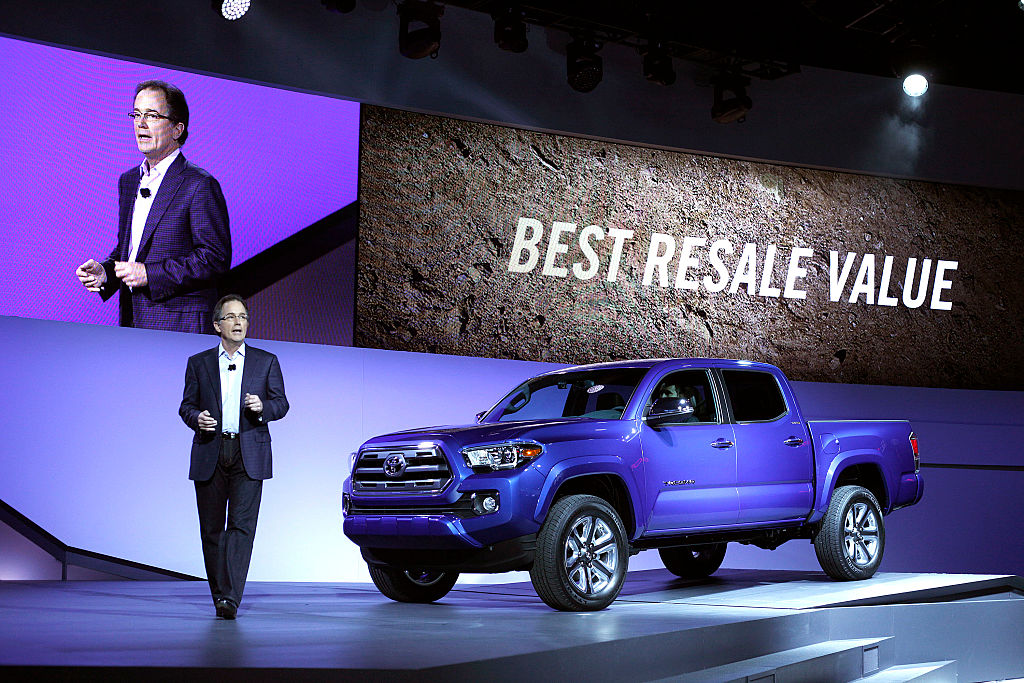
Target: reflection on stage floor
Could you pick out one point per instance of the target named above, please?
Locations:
(660, 627)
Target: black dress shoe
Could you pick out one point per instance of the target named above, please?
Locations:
(226, 609)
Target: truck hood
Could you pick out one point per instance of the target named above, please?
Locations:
(542, 431)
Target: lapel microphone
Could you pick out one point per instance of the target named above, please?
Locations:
(145, 192)
(231, 367)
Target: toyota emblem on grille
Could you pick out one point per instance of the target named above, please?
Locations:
(394, 465)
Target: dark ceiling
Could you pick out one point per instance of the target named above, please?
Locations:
(967, 43)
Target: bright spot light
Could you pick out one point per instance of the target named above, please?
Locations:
(915, 85)
(234, 9)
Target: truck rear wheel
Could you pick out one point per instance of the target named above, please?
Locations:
(581, 558)
(696, 562)
(412, 585)
(850, 543)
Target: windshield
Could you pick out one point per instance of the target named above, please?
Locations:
(596, 394)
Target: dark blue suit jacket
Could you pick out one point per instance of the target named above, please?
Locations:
(186, 246)
(261, 375)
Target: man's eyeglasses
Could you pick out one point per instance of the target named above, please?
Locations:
(232, 317)
(149, 116)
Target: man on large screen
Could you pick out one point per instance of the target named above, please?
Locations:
(173, 236)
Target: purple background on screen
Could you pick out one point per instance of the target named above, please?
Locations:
(284, 159)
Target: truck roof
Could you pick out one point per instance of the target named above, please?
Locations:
(681, 362)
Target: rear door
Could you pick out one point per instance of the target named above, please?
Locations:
(774, 459)
(690, 466)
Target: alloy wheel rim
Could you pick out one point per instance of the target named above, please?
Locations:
(860, 534)
(591, 556)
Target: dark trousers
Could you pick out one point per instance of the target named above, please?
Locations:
(231, 496)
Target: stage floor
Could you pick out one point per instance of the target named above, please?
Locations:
(659, 627)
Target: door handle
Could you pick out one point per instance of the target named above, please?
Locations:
(722, 443)
(794, 441)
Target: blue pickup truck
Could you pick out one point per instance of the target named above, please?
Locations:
(574, 471)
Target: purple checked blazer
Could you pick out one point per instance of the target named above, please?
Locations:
(186, 246)
(261, 375)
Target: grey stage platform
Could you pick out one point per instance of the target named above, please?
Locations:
(739, 625)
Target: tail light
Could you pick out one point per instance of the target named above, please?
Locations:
(917, 456)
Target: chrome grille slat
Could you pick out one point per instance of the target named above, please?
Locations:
(413, 468)
(369, 474)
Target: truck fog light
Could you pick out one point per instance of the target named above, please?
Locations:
(485, 502)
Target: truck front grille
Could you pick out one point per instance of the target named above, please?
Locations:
(402, 469)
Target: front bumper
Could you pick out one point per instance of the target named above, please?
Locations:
(447, 521)
(409, 531)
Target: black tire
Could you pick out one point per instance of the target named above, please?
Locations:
(582, 555)
(851, 540)
(412, 585)
(693, 562)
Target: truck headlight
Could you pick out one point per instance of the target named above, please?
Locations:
(502, 456)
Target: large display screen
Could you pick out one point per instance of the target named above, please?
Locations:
(484, 240)
(286, 161)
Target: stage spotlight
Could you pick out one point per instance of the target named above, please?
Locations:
(912, 63)
(510, 28)
(419, 33)
(341, 6)
(658, 64)
(915, 85)
(231, 9)
(584, 68)
(731, 101)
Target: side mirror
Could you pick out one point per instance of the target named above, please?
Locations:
(670, 411)
(480, 416)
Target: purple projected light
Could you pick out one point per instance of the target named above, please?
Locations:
(284, 160)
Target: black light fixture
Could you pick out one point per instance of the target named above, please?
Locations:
(584, 68)
(658, 63)
(510, 28)
(230, 9)
(419, 32)
(340, 6)
(731, 100)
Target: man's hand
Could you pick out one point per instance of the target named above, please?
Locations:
(253, 403)
(92, 275)
(206, 423)
(131, 273)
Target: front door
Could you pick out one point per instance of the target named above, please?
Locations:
(691, 465)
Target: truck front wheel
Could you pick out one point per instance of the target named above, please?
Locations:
(581, 558)
(412, 585)
(850, 543)
(695, 562)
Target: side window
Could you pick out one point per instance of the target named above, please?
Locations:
(755, 396)
(694, 385)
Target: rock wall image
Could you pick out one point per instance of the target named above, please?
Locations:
(440, 268)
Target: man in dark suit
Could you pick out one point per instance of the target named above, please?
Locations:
(173, 239)
(231, 394)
